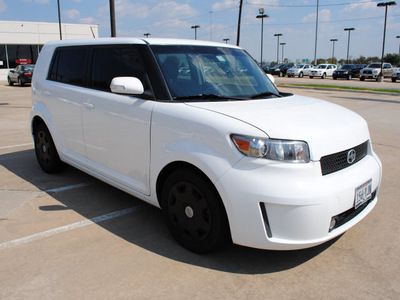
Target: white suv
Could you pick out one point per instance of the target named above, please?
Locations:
(322, 71)
(197, 129)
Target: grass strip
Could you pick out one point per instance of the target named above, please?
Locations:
(341, 87)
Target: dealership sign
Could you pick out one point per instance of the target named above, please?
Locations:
(23, 61)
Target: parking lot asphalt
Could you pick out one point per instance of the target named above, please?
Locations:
(70, 236)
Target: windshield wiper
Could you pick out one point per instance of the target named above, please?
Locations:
(211, 97)
(266, 94)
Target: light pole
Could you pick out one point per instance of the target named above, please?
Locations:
(384, 4)
(398, 37)
(211, 12)
(277, 46)
(316, 34)
(348, 42)
(112, 19)
(59, 18)
(262, 16)
(195, 30)
(333, 48)
(283, 45)
(226, 41)
(147, 34)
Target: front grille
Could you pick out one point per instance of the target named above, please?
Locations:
(348, 215)
(338, 161)
(367, 72)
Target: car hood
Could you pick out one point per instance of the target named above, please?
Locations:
(326, 127)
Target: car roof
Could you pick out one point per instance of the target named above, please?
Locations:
(140, 41)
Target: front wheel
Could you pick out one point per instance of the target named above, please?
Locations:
(46, 152)
(349, 77)
(194, 211)
(301, 75)
(323, 76)
(393, 79)
(362, 78)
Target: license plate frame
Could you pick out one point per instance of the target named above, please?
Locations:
(363, 193)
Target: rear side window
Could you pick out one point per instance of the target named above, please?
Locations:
(69, 65)
(110, 62)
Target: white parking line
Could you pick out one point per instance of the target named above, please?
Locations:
(16, 146)
(44, 234)
(69, 187)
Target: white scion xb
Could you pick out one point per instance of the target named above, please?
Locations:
(199, 130)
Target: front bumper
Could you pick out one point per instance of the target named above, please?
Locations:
(281, 206)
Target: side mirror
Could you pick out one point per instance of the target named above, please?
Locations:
(127, 85)
(271, 78)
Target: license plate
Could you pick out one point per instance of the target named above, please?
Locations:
(363, 193)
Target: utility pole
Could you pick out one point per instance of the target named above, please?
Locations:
(59, 18)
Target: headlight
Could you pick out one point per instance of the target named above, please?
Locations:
(282, 150)
(375, 71)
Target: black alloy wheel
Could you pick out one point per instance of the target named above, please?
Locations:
(9, 81)
(194, 211)
(46, 152)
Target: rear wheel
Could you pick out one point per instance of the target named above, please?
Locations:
(311, 77)
(194, 211)
(9, 81)
(20, 83)
(393, 79)
(46, 152)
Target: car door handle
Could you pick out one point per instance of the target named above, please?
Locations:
(88, 105)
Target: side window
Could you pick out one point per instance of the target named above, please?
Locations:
(69, 65)
(116, 61)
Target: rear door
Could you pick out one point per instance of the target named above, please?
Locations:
(117, 127)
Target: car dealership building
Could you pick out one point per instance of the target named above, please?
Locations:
(22, 41)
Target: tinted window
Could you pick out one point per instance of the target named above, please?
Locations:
(115, 62)
(69, 66)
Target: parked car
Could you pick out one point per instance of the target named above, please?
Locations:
(280, 69)
(348, 71)
(396, 75)
(299, 70)
(22, 74)
(374, 69)
(226, 156)
(323, 71)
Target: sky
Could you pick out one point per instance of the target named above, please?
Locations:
(218, 20)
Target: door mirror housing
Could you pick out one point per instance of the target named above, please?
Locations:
(127, 85)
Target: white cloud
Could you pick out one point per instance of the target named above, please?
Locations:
(72, 14)
(125, 8)
(88, 20)
(324, 15)
(37, 1)
(226, 4)
(3, 6)
(361, 5)
(169, 10)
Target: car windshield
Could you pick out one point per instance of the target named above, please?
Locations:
(321, 67)
(347, 67)
(298, 66)
(212, 73)
(27, 68)
(374, 66)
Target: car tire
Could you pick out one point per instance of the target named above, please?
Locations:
(280, 74)
(349, 77)
(393, 79)
(45, 150)
(20, 83)
(194, 212)
(323, 76)
(9, 81)
(311, 77)
(334, 78)
(301, 75)
(362, 78)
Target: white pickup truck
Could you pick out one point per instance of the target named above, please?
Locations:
(374, 69)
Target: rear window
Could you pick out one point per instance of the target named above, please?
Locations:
(68, 65)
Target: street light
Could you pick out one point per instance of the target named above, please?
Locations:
(384, 4)
(262, 16)
(59, 18)
(348, 42)
(195, 30)
(277, 47)
(333, 48)
(283, 45)
(147, 34)
(398, 37)
(226, 41)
